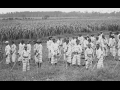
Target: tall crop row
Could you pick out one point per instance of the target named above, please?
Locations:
(16, 29)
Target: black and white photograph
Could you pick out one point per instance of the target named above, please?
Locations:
(59, 44)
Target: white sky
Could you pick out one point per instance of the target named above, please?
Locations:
(102, 10)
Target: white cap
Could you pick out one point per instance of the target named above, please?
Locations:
(7, 42)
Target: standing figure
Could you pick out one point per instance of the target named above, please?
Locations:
(38, 53)
(49, 45)
(89, 56)
(25, 60)
(20, 51)
(112, 44)
(7, 52)
(13, 50)
(64, 50)
(69, 54)
(77, 50)
(118, 47)
(55, 53)
(100, 55)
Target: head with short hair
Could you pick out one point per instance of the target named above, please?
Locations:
(22, 41)
(89, 40)
(103, 36)
(89, 45)
(92, 35)
(97, 38)
(97, 46)
(25, 47)
(80, 35)
(77, 42)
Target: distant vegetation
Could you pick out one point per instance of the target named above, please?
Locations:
(26, 25)
(59, 14)
(34, 29)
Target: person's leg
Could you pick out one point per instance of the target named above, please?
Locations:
(28, 64)
(24, 65)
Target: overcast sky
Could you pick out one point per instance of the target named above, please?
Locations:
(102, 10)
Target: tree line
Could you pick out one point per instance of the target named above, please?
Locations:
(59, 14)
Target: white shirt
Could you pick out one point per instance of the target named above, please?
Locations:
(21, 48)
(99, 52)
(85, 43)
(13, 48)
(88, 51)
(29, 48)
(7, 49)
(38, 48)
(49, 44)
(25, 53)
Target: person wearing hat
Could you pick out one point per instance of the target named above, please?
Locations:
(7, 52)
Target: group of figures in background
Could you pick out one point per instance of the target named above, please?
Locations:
(71, 49)
(23, 54)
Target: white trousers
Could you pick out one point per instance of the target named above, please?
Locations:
(26, 65)
(76, 59)
(89, 62)
(53, 59)
(38, 58)
(100, 63)
(118, 52)
(13, 57)
(113, 51)
(69, 58)
(20, 58)
(8, 59)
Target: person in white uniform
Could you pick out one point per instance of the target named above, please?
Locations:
(89, 56)
(13, 50)
(25, 60)
(20, 51)
(7, 52)
(38, 53)
(100, 55)
(49, 45)
(77, 50)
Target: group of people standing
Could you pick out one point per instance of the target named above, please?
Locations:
(90, 47)
(72, 49)
(23, 54)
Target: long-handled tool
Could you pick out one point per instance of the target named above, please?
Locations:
(116, 66)
(1, 61)
(13, 66)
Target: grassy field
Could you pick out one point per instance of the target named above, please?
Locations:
(60, 73)
(33, 29)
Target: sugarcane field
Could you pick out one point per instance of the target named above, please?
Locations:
(59, 49)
